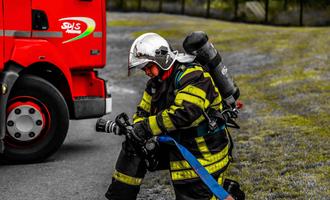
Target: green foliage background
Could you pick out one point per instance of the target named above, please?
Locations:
(281, 12)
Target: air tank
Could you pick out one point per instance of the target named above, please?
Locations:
(197, 43)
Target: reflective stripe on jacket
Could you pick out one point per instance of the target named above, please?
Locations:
(176, 107)
(195, 93)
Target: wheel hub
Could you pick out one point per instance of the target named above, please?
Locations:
(25, 123)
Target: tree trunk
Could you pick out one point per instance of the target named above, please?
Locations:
(121, 5)
(208, 6)
(107, 3)
(285, 5)
(301, 13)
(183, 2)
(139, 5)
(266, 11)
(160, 7)
(236, 9)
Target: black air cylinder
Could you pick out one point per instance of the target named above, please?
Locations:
(197, 44)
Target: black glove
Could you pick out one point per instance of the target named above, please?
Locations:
(233, 188)
(129, 148)
(139, 133)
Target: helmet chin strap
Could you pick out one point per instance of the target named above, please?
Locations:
(165, 74)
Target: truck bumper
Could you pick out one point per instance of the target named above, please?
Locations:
(93, 107)
(108, 105)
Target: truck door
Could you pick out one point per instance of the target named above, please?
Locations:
(17, 23)
(77, 29)
(1, 35)
(1, 61)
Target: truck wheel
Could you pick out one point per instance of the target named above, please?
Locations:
(37, 121)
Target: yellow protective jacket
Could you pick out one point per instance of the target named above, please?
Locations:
(175, 107)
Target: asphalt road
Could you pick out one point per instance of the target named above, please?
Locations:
(82, 168)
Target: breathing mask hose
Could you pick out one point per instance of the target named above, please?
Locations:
(197, 44)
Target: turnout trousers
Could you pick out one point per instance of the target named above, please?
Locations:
(210, 150)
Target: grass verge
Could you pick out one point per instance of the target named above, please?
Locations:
(282, 149)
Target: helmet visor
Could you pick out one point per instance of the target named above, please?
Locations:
(138, 63)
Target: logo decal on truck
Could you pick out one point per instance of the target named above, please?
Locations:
(71, 28)
(74, 25)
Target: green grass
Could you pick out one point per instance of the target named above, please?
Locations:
(282, 149)
(115, 23)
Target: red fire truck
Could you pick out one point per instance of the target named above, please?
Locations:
(49, 53)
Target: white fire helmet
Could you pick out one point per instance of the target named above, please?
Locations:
(151, 48)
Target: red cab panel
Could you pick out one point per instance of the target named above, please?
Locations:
(77, 28)
(86, 83)
(1, 35)
(16, 23)
(50, 49)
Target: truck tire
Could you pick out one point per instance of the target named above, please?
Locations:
(37, 121)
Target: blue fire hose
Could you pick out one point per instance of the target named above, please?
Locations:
(212, 184)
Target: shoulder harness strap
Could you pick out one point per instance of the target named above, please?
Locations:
(181, 69)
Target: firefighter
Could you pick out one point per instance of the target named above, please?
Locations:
(179, 100)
